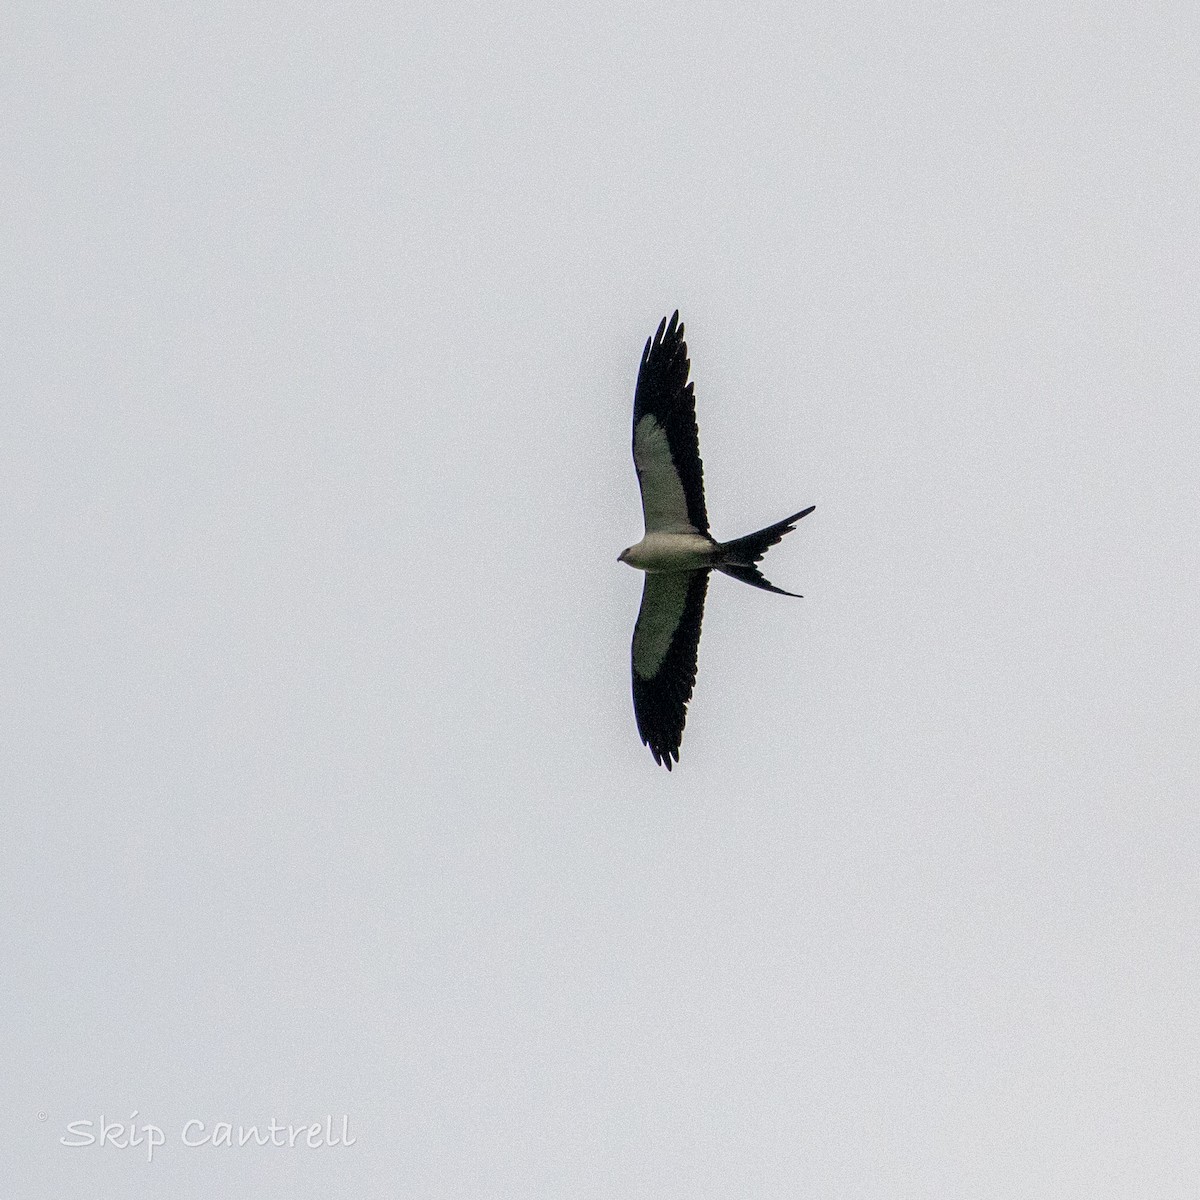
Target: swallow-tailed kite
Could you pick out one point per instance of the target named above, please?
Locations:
(677, 551)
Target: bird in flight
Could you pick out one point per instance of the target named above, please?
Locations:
(677, 552)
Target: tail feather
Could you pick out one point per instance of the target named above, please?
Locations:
(737, 558)
(754, 577)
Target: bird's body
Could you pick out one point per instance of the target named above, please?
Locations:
(670, 552)
(677, 552)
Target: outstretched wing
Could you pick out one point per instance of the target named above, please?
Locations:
(664, 657)
(666, 444)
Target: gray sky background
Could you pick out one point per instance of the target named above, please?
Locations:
(323, 790)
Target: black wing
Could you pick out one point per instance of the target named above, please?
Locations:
(665, 641)
(666, 443)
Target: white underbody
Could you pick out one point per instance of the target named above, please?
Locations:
(670, 552)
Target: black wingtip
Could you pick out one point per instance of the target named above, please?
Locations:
(661, 757)
(671, 331)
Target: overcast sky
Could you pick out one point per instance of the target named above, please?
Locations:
(323, 790)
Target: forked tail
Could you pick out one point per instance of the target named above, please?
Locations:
(737, 558)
